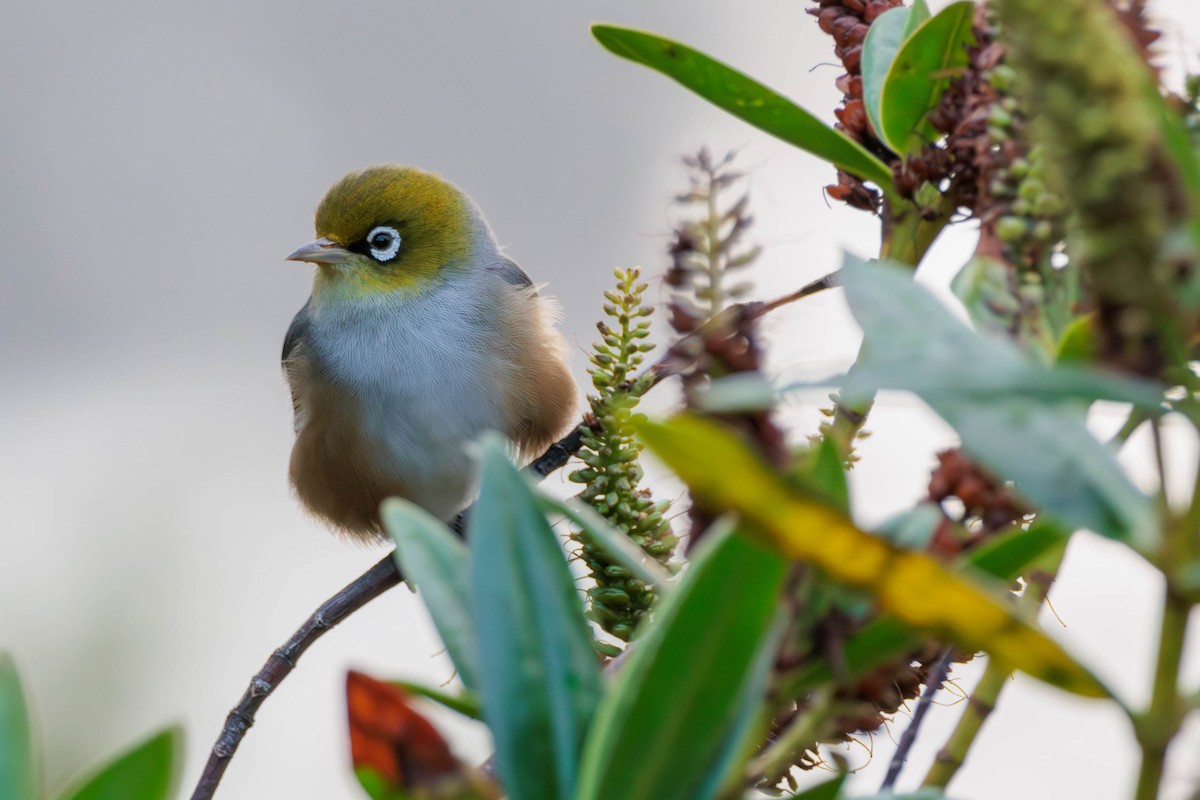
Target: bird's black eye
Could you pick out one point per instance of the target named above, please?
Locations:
(383, 242)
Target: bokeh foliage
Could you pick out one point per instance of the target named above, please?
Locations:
(791, 625)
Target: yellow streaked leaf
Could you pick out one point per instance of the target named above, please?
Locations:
(726, 475)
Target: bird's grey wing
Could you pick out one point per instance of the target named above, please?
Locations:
(511, 272)
(297, 332)
(293, 347)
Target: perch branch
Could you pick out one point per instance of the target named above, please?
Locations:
(937, 676)
(374, 582)
(384, 575)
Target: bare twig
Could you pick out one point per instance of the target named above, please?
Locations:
(677, 357)
(377, 580)
(937, 676)
(374, 582)
(819, 285)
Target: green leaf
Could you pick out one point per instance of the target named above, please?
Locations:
(376, 785)
(822, 471)
(18, 764)
(615, 544)
(884, 38)
(540, 680)
(437, 563)
(1007, 555)
(724, 474)
(1079, 342)
(745, 98)
(146, 771)
(915, 343)
(886, 638)
(1011, 412)
(725, 773)
(822, 791)
(918, 13)
(923, 67)
(984, 287)
(738, 392)
(465, 702)
(680, 696)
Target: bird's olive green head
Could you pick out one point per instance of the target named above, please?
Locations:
(387, 229)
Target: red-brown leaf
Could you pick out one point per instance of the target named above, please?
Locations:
(390, 738)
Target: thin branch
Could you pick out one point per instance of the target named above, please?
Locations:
(374, 582)
(676, 358)
(819, 285)
(383, 576)
(937, 676)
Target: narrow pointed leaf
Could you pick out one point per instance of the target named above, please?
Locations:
(724, 474)
(1010, 411)
(465, 702)
(18, 764)
(933, 55)
(725, 772)
(539, 676)
(681, 694)
(437, 563)
(886, 638)
(144, 772)
(745, 98)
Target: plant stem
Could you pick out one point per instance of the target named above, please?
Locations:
(1158, 725)
(906, 234)
(995, 677)
(716, 297)
(980, 705)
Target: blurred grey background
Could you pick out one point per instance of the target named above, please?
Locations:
(158, 160)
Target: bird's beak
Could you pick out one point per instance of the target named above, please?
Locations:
(321, 251)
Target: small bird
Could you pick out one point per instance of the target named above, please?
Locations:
(418, 336)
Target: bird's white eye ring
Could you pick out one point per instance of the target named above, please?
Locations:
(384, 242)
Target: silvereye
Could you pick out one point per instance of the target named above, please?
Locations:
(419, 335)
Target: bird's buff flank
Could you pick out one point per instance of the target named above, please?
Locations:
(419, 335)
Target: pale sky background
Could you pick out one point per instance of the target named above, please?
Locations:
(158, 160)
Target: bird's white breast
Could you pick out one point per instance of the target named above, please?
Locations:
(411, 373)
